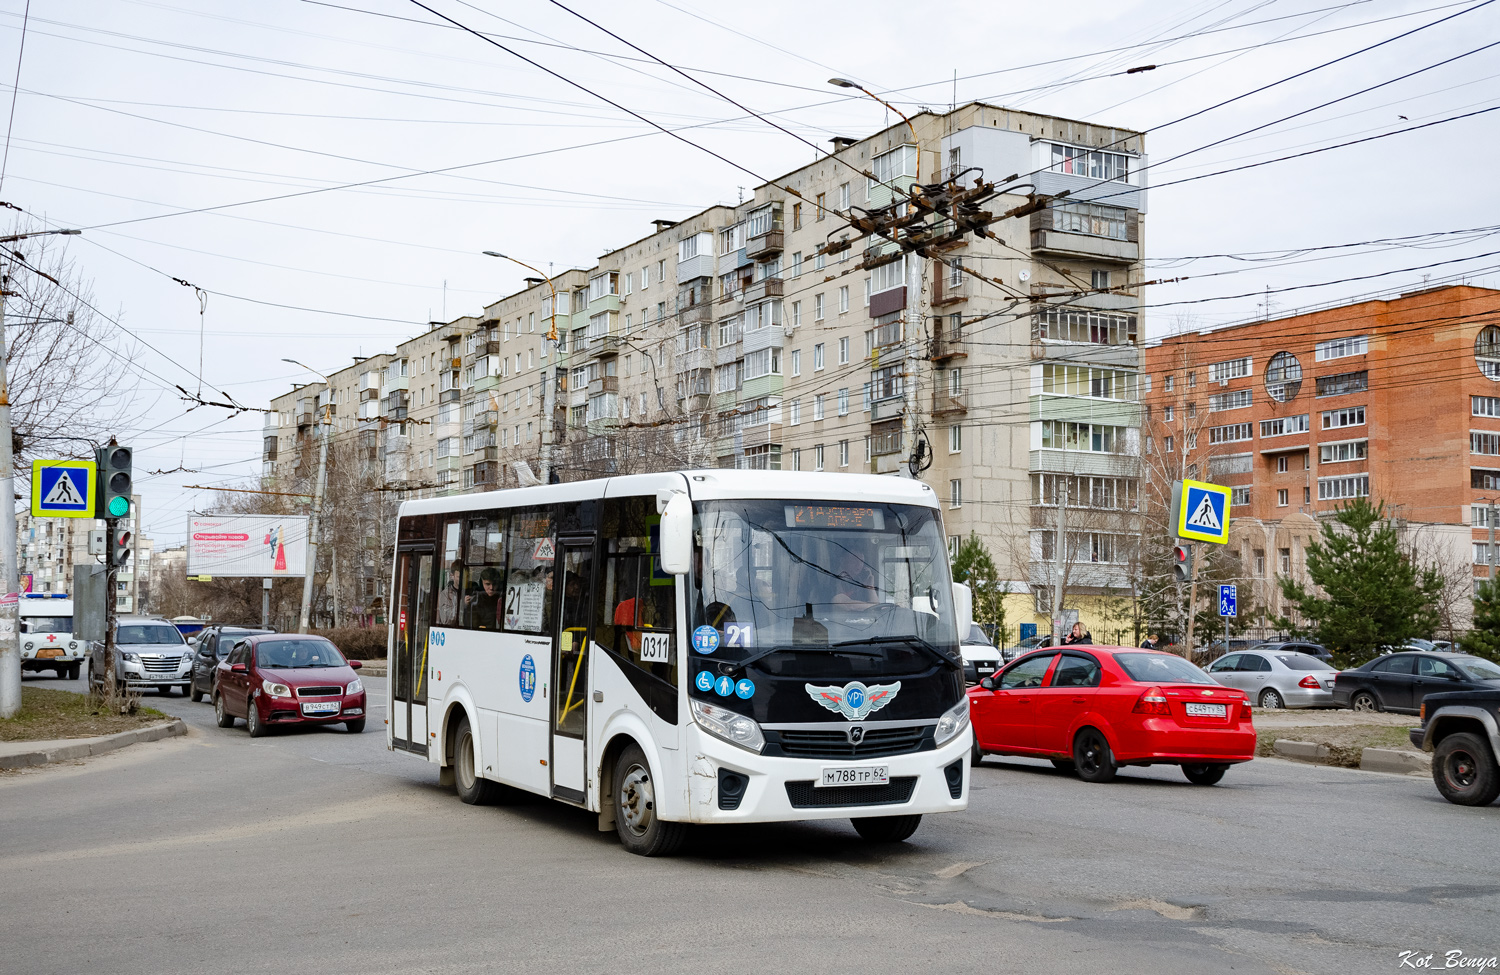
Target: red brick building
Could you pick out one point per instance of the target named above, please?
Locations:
(1397, 400)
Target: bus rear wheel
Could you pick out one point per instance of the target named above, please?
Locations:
(472, 787)
(886, 829)
(641, 831)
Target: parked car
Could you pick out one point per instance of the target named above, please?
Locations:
(1095, 709)
(288, 678)
(1295, 646)
(1215, 649)
(47, 640)
(1400, 681)
(1277, 678)
(212, 645)
(1462, 730)
(1444, 646)
(980, 656)
(149, 652)
(1026, 645)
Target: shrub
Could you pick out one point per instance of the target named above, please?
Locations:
(358, 642)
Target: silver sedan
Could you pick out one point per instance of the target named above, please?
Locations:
(1277, 679)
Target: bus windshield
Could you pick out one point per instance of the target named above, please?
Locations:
(821, 576)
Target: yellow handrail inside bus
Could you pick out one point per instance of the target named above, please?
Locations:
(568, 703)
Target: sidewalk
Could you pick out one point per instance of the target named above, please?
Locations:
(24, 754)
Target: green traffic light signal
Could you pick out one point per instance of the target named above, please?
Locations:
(119, 507)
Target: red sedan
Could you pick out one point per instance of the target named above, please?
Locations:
(285, 678)
(1095, 709)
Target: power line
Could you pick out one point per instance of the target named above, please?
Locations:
(9, 125)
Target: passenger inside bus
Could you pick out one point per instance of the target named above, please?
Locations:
(856, 588)
(448, 597)
(484, 605)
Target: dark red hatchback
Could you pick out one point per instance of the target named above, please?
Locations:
(288, 678)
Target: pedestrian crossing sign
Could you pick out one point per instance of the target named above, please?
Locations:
(63, 488)
(1202, 513)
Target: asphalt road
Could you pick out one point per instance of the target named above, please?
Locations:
(319, 851)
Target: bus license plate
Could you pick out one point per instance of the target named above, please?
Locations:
(1196, 710)
(322, 707)
(858, 775)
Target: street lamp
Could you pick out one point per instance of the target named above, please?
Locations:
(846, 83)
(549, 388)
(39, 233)
(312, 526)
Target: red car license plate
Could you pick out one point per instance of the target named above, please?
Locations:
(1198, 710)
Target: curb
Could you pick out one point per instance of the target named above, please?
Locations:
(1306, 751)
(1391, 760)
(84, 747)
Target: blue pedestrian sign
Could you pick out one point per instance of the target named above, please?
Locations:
(1228, 599)
(1201, 512)
(63, 488)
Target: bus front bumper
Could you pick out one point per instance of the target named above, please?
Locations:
(786, 789)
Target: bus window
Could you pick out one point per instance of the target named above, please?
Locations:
(484, 569)
(636, 615)
(529, 587)
(451, 587)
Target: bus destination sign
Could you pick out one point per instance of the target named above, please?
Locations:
(834, 516)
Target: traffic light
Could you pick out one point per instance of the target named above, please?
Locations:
(114, 481)
(119, 547)
(1182, 563)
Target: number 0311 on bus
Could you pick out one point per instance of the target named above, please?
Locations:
(688, 647)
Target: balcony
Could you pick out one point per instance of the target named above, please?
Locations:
(763, 289)
(765, 244)
(604, 384)
(695, 314)
(695, 359)
(947, 402)
(947, 291)
(485, 383)
(887, 409)
(304, 420)
(605, 345)
(578, 397)
(270, 449)
(488, 418)
(397, 382)
(450, 396)
(369, 393)
(486, 474)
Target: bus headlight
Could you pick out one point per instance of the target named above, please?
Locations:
(726, 724)
(954, 720)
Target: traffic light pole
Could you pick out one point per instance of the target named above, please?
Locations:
(1192, 614)
(10, 581)
(109, 679)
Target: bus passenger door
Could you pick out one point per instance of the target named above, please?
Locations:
(570, 672)
(408, 674)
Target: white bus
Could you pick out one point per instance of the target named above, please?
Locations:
(690, 647)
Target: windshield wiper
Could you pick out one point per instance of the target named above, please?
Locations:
(915, 642)
(725, 666)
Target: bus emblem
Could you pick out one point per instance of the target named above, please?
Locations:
(854, 700)
(856, 734)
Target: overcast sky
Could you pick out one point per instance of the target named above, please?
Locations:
(133, 109)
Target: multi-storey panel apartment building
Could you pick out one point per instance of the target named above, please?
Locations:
(736, 338)
(1395, 399)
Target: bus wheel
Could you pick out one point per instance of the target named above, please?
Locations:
(886, 829)
(472, 788)
(641, 831)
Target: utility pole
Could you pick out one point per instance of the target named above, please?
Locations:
(549, 374)
(135, 554)
(1059, 552)
(1489, 553)
(1192, 612)
(914, 269)
(10, 581)
(317, 505)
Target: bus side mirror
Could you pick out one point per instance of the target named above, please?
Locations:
(677, 536)
(963, 608)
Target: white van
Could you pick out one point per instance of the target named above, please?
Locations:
(47, 641)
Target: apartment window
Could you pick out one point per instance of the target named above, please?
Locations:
(1341, 348)
(955, 381)
(1485, 405)
(1166, 414)
(1091, 437)
(843, 453)
(1231, 369)
(1484, 480)
(867, 291)
(1231, 433)
(1283, 426)
(1260, 563)
(1484, 443)
(818, 406)
(1353, 416)
(843, 352)
(1481, 553)
(796, 267)
(796, 458)
(843, 402)
(822, 205)
(1239, 496)
(796, 313)
(818, 450)
(818, 355)
(1281, 464)
(1343, 383)
(601, 285)
(817, 308)
(843, 299)
(1284, 557)
(844, 197)
(766, 362)
(1167, 383)
(1237, 400)
(1093, 327)
(1337, 488)
(820, 260)
(794, 413)
(796, 216)
(1167, 444)
(955, 493)
(1192, 378)
(1092, 219)
(629, 283)
(1079, 161)
(1336, 453)
(796, 362)
(1088, 381)
(1192, 410)
(1099, 280)
(645, 277)
(1192, 441)
(955, 439)
(661, 311)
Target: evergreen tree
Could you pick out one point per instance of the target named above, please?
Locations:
(1369, 592)
(974, 567)
(1484, 639)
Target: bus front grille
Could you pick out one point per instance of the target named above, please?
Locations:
(805, 795)
(834, 743)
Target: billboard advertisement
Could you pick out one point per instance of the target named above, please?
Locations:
(256, 546)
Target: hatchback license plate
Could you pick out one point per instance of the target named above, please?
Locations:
(1198, 710)
(858, 775)
(321, 707)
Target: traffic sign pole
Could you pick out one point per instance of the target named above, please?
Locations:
(10, 573)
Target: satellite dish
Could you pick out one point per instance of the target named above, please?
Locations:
(1024, 275)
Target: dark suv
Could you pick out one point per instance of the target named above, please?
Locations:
(1462, 730)
(214, 644)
